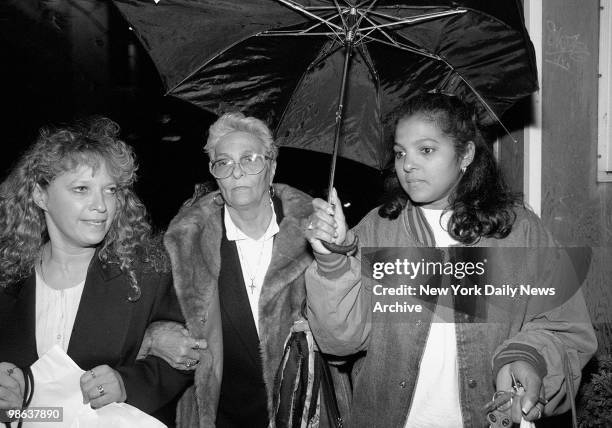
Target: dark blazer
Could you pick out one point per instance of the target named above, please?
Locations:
(108, 329)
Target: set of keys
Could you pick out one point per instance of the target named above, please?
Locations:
(496, 417)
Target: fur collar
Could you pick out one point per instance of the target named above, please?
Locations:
(196, 231)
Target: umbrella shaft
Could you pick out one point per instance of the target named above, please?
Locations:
(348, 48)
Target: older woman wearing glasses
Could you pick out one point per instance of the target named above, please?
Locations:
(238, 260)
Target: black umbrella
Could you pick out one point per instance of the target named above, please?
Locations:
(287, 61)
(322, 71)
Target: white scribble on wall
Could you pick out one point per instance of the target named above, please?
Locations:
(563, 50)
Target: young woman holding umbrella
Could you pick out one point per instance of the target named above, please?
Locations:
(447, 192)
(79, 269)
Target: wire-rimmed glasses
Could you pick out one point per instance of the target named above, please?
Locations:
(251, 164)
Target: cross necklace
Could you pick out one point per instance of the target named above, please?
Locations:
(248, 270)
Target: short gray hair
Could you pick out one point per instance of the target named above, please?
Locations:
(238, 122)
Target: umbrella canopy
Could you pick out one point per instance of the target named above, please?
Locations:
(290, 62)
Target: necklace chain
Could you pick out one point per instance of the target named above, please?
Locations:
(247, 268)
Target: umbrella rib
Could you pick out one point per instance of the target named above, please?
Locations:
(319, 7)
(482, 100)
(369, 63)
(340, 14)
(479, 97)
(293, 33)
(365, 12)
(306, 32)
(415, 19)
(381, 142)
(403, 47)
(325, 55)
(300, 8)
(322, 55)
(371, 21)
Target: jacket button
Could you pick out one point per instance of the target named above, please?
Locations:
(472, 383)
(402, 384)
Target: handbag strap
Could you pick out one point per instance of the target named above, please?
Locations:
(28, 393)
(328, 393)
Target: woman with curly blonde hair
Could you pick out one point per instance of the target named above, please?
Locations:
(79, 269)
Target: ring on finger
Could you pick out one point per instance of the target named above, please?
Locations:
(539, 412)
(100, 389)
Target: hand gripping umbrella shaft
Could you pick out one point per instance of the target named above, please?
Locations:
(348, 49)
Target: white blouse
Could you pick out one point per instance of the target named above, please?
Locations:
(255, 256)
(55, 314)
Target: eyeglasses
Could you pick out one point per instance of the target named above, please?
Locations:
(251, 164)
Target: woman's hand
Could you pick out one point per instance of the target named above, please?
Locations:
(171, 341)
(101, 386)
(327, 223)
(530, 404)
(12, 386)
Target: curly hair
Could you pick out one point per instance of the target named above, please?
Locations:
(481, 203)
(236, 121)
(23, 230)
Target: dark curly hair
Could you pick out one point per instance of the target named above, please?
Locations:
(23, 230)
(481, 203)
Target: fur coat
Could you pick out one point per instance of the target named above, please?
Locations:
(193, 241)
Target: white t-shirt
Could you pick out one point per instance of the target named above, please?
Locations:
(435, 401)
(55, 314)
(255, 257)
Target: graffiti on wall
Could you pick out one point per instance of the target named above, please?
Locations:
(563, 50)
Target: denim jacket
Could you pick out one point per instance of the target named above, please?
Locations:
(342, 320)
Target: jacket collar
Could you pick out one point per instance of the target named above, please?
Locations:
(417, 226)
(193, 240)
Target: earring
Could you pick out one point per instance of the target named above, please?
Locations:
(272, 191)
(463, 169)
